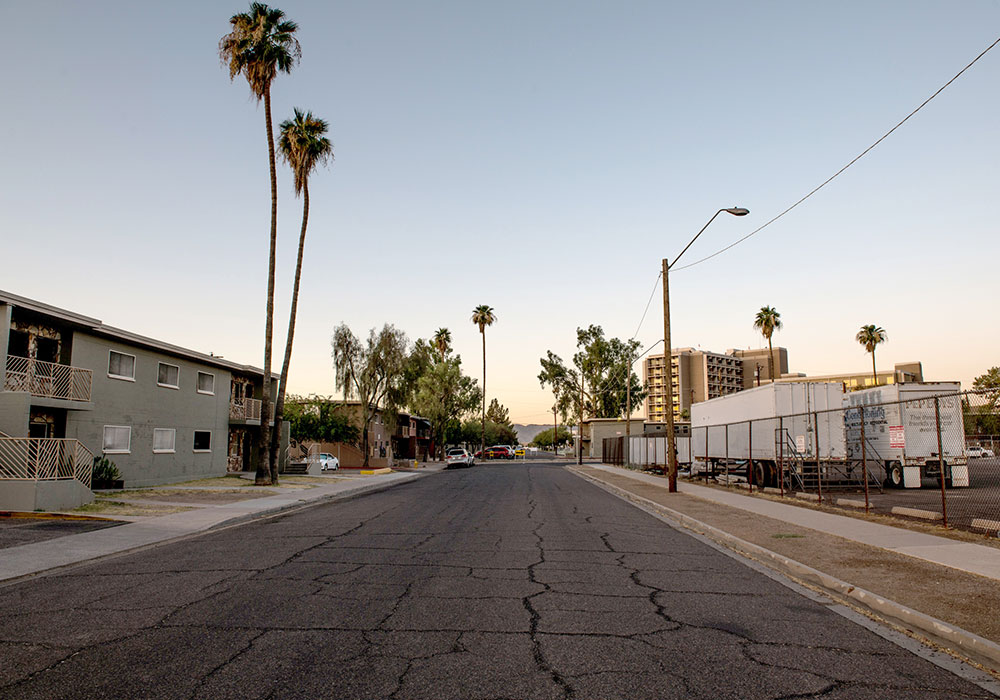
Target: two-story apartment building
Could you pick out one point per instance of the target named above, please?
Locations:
(160, 412)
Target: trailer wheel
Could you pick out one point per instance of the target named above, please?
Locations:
(764, 474)
(894, 475)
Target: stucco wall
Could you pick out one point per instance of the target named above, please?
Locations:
(143, 405)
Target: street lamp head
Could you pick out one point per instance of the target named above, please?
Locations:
(737, 211)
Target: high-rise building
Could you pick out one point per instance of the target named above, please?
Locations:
(697, 376)
(756, 368)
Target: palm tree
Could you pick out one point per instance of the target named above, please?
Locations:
(261, 43)
(871, 336)
(442, 341)
(767, 321)
(304, 146)
(483, 316)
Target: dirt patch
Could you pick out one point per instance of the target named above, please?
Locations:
(109, 507)
(194, 496)
(961, 598)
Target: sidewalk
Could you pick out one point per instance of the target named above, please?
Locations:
(933, 586)
(30, 559)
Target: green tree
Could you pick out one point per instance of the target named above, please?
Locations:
(319, 418)
(497, 413)
(871, 336)
(442, 342)
(980, 408)
(767, 321)
(304, 146)
(444, 395)
(260, 44)
(369, 371)
(483, 316)
(544, 438)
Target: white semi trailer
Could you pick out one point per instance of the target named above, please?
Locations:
(785, 424)
(901, 431)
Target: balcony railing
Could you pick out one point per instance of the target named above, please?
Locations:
(246, 409)
(48, 379)
(45, 459)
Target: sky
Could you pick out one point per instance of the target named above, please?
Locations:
(538, 157)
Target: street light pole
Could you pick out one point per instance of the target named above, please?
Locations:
(668, 353)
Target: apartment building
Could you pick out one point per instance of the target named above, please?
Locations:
(698, 375)
(757, 369)
(72, 388)
(410, 439)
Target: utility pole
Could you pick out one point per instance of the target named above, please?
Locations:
(555, 432)
(628, 407)
(579, 437)
(668, 372)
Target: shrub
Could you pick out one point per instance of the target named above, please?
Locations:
(105, 470)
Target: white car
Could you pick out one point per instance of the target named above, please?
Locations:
(457, 456)
(978, 451)
(328, 462)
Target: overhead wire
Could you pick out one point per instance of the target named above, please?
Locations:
(852, 162)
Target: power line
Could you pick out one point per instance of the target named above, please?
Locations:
(855, 160)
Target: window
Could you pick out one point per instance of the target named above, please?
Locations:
(206, 383)
(164, 440)
(121, 366)
(168, 375)
(203, 441)
(117, 439)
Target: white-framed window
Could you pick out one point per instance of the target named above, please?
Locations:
(164, 440)
(121, 365)
(206, 383)
(117, 439)
(202, 441)
(168, 375)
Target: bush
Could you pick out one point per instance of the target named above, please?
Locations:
(105, 470)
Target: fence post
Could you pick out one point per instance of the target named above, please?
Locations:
(864, 455)
(750, 455)
(819, 477)
(727, 455)
(944, 499)
(781, 456)
(706, 453)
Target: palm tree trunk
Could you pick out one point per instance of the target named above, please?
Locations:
(874, 374)
(279, 405)
(483, 448)
(264, 468)
(770, 359)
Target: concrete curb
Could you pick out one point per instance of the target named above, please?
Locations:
(979, 649)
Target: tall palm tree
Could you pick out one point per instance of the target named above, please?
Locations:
(871, 336)
(303, 146)
(261, 43)
(483, 316)
(767, 321)
(442, 341)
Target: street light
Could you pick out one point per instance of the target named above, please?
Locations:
(668, 354)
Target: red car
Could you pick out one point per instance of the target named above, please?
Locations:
(496, 452)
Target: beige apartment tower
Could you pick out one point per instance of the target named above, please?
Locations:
(697, 376)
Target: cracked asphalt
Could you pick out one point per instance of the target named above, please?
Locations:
(500, 582)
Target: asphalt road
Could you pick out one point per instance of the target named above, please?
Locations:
(503, 581)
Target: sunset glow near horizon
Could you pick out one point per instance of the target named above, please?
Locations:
(538, 158)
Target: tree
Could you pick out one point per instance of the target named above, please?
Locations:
(596, 384)
(368, 371)
(767, 321)
(261, 43)
(544, 438)
(483, 316)
(980, 408)
(495, 433)
(871, 336)
(303, 145)
(444, 395)
(319, 418)
(442, 342)
(497, 413)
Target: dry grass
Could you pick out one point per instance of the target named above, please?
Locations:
(108, 507)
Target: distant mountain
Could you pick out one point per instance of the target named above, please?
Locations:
(527, 433)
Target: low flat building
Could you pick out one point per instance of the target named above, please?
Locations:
(72, 384)
(901, 373)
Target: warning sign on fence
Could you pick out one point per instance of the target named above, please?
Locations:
(897, 438)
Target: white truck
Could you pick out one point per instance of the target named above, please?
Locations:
(770, 427)
(901, 432)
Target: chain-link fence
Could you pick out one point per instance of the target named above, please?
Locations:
(929, 455)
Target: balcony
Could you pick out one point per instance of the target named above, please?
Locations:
(48, 379)
(246, 409)
(44, 459)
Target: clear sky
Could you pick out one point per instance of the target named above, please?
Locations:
(539, 157)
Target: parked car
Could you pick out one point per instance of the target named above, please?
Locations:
(457, 456)
(506, 450)
(978, 451)
(328, 462)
